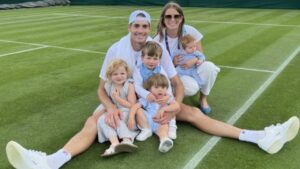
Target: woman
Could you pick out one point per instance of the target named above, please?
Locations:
(170, 30)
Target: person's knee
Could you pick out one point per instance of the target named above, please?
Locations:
(188, 113)
(210, 67)
(90, 124)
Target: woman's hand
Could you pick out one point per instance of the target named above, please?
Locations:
(189, 63)
(177, 59)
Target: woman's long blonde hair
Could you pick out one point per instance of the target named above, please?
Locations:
(161, 24)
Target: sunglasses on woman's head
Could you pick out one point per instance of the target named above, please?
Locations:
(169, 17)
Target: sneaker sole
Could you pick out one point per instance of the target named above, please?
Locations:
(13, 150)
(166, 146)
(125, 148)
(292, 132)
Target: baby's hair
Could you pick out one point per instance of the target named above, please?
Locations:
(114, 65)
(186, 39)
(158, 80)
(152, 49)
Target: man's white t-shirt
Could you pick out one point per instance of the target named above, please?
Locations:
(135, 60)
(173, 42)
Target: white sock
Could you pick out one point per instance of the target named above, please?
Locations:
(58, 159)
(252, 135)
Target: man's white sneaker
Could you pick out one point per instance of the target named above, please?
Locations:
(21, 158)
(144, 134)
(165, 145)
(277, 136)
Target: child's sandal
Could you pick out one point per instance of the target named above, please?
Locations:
(109, 152)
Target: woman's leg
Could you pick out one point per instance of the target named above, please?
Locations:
(208, 72)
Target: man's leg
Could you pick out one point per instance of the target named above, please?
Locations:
(214, 127)
(20, 157)
(85, 137)
(271, 139)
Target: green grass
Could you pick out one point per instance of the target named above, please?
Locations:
(47, 94)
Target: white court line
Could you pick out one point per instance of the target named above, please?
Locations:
(52, 46)
(198, 157)
(91, 51)
(195, 21)
(23, 51)
(249, 69)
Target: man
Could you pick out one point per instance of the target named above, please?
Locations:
(129, 49)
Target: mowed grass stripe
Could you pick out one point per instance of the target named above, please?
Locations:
(51, 87)
(53, 22)
(38, 63)
(269, 108)
(241, 52)
(273, 55)
(77, 32)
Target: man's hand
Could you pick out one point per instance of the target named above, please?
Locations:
(113, 117)
(151, 97)
(163, 100)
(167, 116)
(131, 123)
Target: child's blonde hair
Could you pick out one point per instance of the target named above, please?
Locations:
(158, 80)
(186, 39)
(152, 49)
(114, 65)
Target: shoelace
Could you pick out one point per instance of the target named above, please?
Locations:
(276, 129)
(36, 152)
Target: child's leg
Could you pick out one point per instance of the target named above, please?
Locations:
(172, 129)
(165, 142)
(107, 133)
(127, 136)
(142, 121)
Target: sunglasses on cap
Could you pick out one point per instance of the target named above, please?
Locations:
(169, 17)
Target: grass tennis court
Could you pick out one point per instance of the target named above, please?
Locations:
(49, 65)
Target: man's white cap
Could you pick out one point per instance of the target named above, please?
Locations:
(139, 15)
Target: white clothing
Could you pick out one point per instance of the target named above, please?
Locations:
(123, 50)
(208, 71)
(138, 83)
(173, 42)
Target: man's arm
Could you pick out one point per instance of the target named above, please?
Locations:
(173, 107)
(113, 114)
(178, 88)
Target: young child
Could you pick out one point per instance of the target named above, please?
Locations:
(151, 55)
(189, 46)
(157, 85)
(122, 93)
